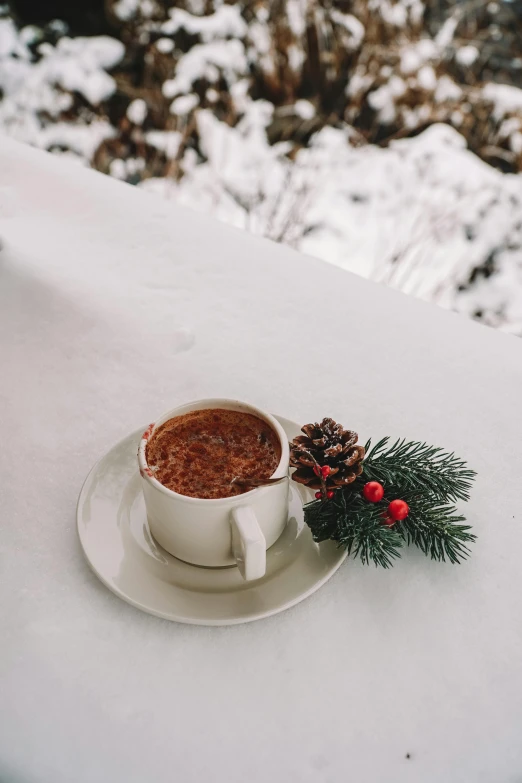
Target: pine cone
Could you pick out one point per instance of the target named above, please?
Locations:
(329, 444)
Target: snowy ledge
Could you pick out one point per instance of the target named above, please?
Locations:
(73, 224)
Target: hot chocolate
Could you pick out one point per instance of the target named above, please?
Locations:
(200, 453)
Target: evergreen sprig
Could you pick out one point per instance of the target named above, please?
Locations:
(356, 525)
(436, 528)
(429, 479)
(417, 466)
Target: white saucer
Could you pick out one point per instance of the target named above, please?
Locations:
(115, 537)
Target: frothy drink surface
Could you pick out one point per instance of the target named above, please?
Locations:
(198, 454)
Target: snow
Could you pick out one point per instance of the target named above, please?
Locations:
(510, 126)
(137, 111)
(165, 45)
(239, 93)
(226, 22)
(304, 109)
(147, 7)
(126, 169)
(296, 57)
(114, 309)
(515, 142)
(393, 13)
(467, 55)
(260, 37)
(261, 45)
(29, 34)
(447, 90)
(296, 10)
(457, 118)
(81, 139)
(165, 141)
(359, 83)
(383, 99)
(10, 42)
(206, 61)
(118, 169)
(426, 78)
(419, 200)
(98, 52)
(77, 66)
(360, 207)
(416, 11)
(505, 98)
(351, 24)
(35, 91)
(447, 31)
(126, 9)
(413, 56)
(184, 104)
(399, 12)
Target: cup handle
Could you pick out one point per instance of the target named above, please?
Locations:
(248, 543)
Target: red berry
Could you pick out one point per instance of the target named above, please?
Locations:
(330, 494)
(373, 491)
(325, 471)
(318, 495)
(398, 509)
(388, 520)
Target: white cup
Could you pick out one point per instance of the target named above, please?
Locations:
(222, 531)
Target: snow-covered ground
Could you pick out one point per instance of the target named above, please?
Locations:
(423, 214)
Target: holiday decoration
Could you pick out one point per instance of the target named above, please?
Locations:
(374, 500)
(373, 491)
(326, 457)
(398, 510)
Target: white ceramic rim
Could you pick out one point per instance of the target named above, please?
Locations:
(93, 561)
(206, 404)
